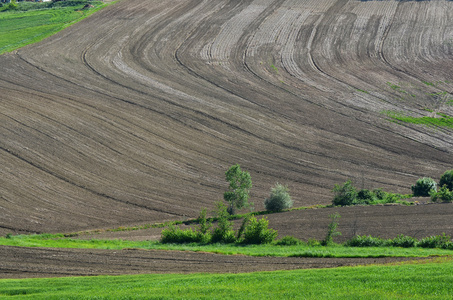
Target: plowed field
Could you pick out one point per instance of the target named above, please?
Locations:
(134, 114)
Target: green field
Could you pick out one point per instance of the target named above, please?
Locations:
(430, 280)
(20, 28)
(336, 250)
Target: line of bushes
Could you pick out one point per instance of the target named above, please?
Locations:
(347, 194)
(437, 241)
(252, 230)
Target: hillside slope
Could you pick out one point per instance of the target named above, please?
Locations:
(134, 114)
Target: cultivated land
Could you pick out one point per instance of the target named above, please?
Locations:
(133, 115)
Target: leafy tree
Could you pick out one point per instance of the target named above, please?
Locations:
(239, 188)
(344, 195)
(423, 187)
(447, 179)
(443, 194)
(279, 198)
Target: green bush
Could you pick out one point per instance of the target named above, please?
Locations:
(365, 196)
(365, 241)
(174, 234)
(404, 241)
(423, 187)
(436, 241)
(257, 232)
(223, 233)
(447, 179)
(288, 241)
(443, 195)
(380, 194)
(279, 198)
(344, 195)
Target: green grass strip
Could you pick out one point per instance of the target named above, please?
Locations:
(21, 28)
(428, 280)
(304, 250)
(442, 120)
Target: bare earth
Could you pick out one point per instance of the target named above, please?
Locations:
(20, 262)
(134, 114)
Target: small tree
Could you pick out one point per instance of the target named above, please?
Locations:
(239, 188)
(279, 198)
(447, 179)
(331, 230)
(423, 187)
(344, 195)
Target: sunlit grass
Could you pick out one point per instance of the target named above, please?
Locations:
(20, 28)
(426, 280)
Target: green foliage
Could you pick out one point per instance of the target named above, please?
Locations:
(204, 226)
(344, 195)
(403, 241)
(331, 230)
(444, 195)
(423, 187)
(174, 234)
(438, 241)
(366, 196)
(447, 179)
(257, 232)
(11, 6)
(224, 232)
(365, 241)
(279, 199)
(238, 189)
(288, 241)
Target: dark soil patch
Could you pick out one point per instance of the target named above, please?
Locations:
(18, 262)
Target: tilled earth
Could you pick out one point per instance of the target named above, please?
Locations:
(135, 113)
(18, 262)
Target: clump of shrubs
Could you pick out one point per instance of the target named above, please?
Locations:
(279, 199)
(252, 231)
(447, 180)
(347, 194)
(423, 187)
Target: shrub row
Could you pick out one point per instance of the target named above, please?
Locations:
(252, 231)
(438, 241)
(347, 194)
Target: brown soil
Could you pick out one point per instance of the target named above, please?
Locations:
(20, 262)
(134, 114)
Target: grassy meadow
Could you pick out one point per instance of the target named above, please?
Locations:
(415, 280)
(19, 28)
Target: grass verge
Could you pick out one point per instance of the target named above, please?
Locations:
(427, 280)
(304, 250)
